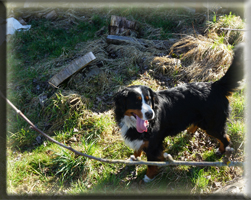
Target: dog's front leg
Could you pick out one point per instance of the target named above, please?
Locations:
(153, 155)
(137, 153)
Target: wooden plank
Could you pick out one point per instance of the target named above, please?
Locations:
(115, 39)
(158, 44)
(72, 68)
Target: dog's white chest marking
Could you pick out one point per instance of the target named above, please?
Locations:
(126, 123)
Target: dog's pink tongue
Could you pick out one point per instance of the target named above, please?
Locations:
(141, 125)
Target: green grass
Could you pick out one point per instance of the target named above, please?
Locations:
(199, 179)
(52, 41)
(71, 116)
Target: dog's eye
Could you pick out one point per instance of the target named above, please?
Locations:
(147, 98)
(139, 97)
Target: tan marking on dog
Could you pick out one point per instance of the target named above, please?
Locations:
(228, 96)
(138, 153)
(192, 129)
(227, 137)
(135, 111)
(222, 147)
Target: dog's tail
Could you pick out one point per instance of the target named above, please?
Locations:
(230, 81)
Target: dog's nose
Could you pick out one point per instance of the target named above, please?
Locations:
(149, 114)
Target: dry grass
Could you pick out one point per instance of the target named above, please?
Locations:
(205, 59)
(61, 106)
(164, 65)
(111, 59)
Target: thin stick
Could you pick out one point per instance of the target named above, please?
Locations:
(232, 29)
(127, 162)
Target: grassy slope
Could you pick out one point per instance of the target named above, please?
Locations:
(44, 167)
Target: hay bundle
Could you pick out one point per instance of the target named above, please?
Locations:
(202, 55)
(124, 51)
(164, 65)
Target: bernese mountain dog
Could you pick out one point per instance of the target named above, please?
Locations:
(146, 117)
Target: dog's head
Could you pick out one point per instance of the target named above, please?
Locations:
(138, 102)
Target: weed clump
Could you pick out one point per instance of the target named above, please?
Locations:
(230, 21)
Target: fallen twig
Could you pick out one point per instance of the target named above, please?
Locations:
(127, 162)
(233, 29)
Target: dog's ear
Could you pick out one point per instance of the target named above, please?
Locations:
(155, 99)
(120, 100)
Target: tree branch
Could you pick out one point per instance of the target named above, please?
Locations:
(127, 162)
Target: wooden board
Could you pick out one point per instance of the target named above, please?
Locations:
(115, 39)
(158, 44)
(72, 68)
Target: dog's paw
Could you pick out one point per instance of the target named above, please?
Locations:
(132, 158)
(168, 157)
(138, 158)
(229, 149)
(146, 179)
(218, 153)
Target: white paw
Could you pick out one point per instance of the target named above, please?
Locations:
(165, 155)
(168, 157)
(229, 149)
(132, 158)
(146, 179)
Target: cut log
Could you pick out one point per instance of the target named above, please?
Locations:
(120, 25)
(158, 44)
(72, 68)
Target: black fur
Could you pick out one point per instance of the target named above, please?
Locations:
(204, 105)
